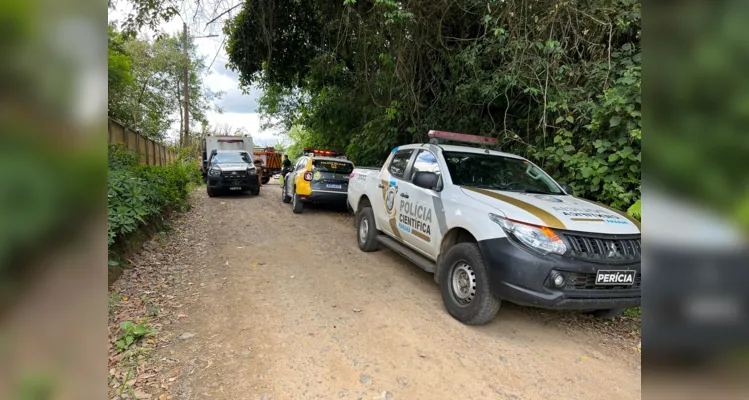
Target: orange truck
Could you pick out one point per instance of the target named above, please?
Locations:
(272, 163)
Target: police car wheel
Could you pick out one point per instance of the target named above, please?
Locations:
(210, 191)
(296, 204)
(464, 284)
(606, 314)
(285, 195)
(366, 232)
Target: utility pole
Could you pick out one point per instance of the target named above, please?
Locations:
(187, 87)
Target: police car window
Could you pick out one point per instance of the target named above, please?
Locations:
(425, 162)
(399, 163)
(496, 172)
(336, 167)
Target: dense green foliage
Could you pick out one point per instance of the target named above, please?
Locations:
(146, 83)
(139, 193)
(557, 82)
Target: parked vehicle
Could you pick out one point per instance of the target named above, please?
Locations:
(271, 162)
(321, 176)
(211, 143)
(231, 170)
(493, 226)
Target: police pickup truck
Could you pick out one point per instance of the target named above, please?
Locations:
(493, 226)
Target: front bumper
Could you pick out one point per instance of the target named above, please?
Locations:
(246, 182)
(523, 277)
(320, 196)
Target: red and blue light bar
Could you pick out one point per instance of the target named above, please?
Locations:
(462, 137)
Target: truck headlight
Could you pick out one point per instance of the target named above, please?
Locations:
(540, 238)
(214, 171)
(251, 171)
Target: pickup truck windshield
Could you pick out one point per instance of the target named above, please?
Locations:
(336, 167)
(222, 158)
(499, 173)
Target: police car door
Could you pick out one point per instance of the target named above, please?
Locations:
(391, 183)
(291, 177)
(418, 207)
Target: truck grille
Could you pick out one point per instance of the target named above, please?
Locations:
(234, 174)
(582, 281)
(603, 249)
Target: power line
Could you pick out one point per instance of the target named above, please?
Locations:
(221, 46)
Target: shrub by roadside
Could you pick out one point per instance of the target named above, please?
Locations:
(142, 194)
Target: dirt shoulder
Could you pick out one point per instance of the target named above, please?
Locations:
(251, 301)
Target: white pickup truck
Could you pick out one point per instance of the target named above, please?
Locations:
(493, 226)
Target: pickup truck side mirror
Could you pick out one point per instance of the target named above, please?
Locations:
(566, 188)
(426, 180)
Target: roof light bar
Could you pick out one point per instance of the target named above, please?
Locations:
(321, 152)
(462, 137)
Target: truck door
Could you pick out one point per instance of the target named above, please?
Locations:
(421, 209)
(386, 207)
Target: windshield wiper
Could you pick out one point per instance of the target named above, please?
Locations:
(486, 187)
(533, 191)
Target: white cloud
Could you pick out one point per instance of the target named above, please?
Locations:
(221, 82)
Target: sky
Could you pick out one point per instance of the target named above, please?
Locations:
(239, 110)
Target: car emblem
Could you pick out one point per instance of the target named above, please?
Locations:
(613, 252)
(390, 200)
(234, 172)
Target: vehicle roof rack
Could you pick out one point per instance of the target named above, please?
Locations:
(438, 137)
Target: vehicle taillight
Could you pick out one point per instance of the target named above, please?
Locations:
(351, 176)
(308, 176)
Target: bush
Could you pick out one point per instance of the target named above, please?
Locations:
(139, 193)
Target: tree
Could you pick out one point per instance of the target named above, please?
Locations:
(300, 139)
(556, 82)
(119, 66)
(146, 80)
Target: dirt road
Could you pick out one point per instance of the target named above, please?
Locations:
(276, 305)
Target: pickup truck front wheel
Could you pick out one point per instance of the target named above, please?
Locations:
(366, 231)
(464, 285)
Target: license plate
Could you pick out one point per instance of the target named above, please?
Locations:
(333, 185)
(235, 188)
(615, 277)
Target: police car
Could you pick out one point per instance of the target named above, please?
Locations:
(320, 176)
(493, 226)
